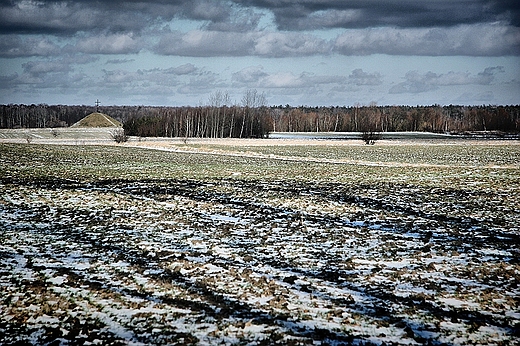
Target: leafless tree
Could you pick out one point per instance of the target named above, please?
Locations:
(370, 137)
(252, 102)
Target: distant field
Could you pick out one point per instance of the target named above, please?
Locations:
(260, 241)
(104, 133)
(61, 134)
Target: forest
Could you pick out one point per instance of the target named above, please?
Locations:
(253, 118)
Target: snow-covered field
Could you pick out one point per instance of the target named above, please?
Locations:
(224, 243)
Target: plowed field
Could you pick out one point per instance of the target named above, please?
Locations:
(268, 244)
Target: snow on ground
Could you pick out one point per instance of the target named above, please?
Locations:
(257, 261)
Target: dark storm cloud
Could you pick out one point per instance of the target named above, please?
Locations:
(93, 46)
(314, 14)
(231, 28)
(62, 17)
(241, 21)
(68, 17)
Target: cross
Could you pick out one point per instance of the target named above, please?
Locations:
(97, 105)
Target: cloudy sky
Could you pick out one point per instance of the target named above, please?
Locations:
(298, 52)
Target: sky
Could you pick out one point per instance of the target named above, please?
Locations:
(305, 52)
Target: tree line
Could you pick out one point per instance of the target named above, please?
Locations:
(219, 119)
(254, 119)
(435, 118)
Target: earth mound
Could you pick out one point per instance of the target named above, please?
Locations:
(97, 120)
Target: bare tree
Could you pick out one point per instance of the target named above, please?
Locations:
(369, 124)
(218, 102)
(251, 101)
(370, 137)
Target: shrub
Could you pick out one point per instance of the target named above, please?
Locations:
(370, 137)
(119, 135)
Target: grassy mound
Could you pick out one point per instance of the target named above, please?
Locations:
(97, 120)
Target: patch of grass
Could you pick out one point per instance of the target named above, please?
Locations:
(97, 120)
(448, 154)
(479, 168)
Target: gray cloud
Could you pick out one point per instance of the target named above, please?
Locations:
(62, 17)
(205, 43)
(66, 16)
(13, 46)
(242, 20)
(416, 82)
(249, 75)
(119, 61)
(256, 77)
(223, 43)
(184, 69)
(38, 68)
(282, 44)
(121, 78)
(48, 74)
(317, 14)
(69, 17)
(56, 41)
(360, 77)
(484, 97)
(215, 11)
(157, 76)
(395, 27)
(119, 43)
(488, 75)
(475, 40)
(60, 74)
(7, 81)
(480, 40)
(201, 84)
